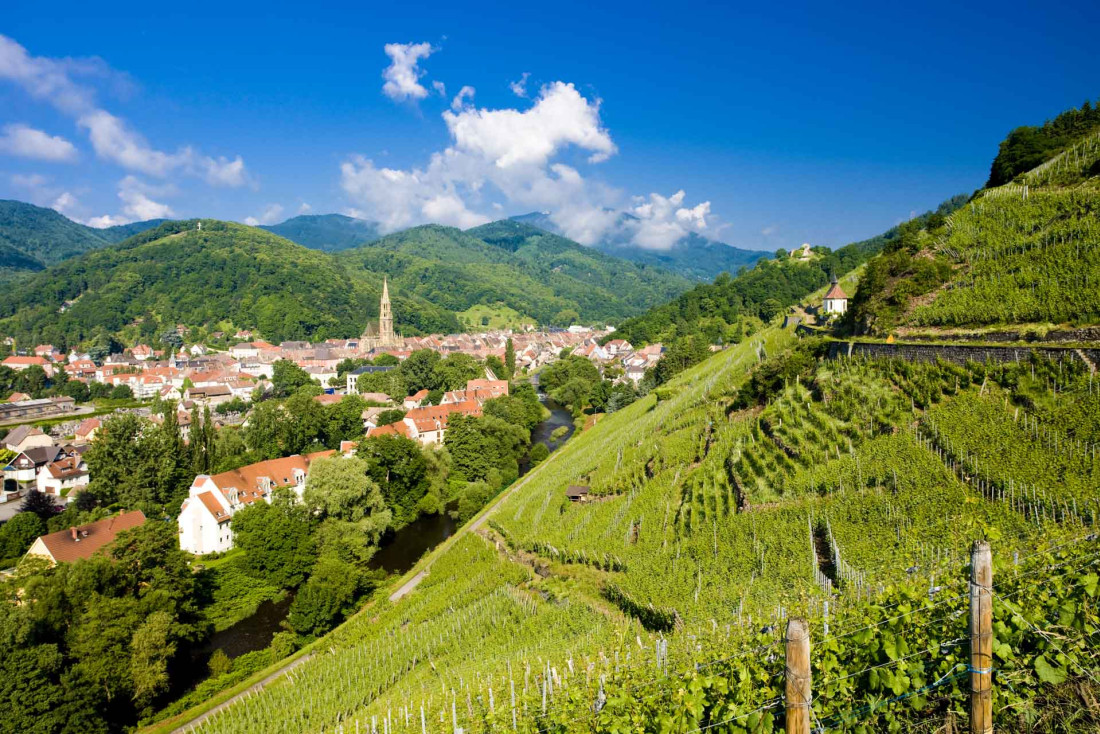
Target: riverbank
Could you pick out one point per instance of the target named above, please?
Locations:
(408, 555)
(401, 587)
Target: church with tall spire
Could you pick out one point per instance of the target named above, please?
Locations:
(381, 335)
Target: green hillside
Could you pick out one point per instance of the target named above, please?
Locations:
(1027, 147)
(543, 276)
(755, 486)
(693, 256)
(47, 237)
(177, 273)
(328, 232)
(1022, 254)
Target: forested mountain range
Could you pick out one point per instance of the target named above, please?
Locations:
(225, 272)
(249, 277)
(693, 256)
(34, 237)
(550, 278)
(328, 232)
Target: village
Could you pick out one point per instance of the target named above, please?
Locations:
(227, 381)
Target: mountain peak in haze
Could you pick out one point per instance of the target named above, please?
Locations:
(692, 256)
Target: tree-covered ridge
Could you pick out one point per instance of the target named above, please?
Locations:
(544, 276)
(1027, 146)
(693, 256)
(179, 273)
(328, 232)
(45, 237)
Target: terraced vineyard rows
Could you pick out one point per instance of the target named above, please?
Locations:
(1027, 257)
(657, 605)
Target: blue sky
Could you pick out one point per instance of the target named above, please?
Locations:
(801, 123)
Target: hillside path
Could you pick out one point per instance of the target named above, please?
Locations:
(255, 688)
(405, 588)
(469, 527)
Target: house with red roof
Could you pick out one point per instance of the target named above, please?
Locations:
(84, 541)
(64, 477)
(19, 363)
(87, 430)
(212, 500)
(836, 300)
(427, 424)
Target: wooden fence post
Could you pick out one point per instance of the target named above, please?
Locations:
(799, 696)
(981, 639)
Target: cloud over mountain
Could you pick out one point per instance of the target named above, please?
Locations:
(509, 158)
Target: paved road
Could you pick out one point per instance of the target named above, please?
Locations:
(9, 508)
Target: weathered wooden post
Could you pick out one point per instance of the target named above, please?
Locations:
(798, 695)
(981, 639)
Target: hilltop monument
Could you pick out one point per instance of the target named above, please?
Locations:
(381, 335)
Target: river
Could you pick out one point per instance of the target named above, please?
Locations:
(399, 552)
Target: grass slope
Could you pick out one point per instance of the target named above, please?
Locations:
(706, 516)
(1023, 254)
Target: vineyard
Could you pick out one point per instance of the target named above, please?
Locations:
(849, 497)
(1026, 253)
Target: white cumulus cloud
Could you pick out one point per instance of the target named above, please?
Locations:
(464, 94)
(507, 151)
(271, 214)
(403, 74)
(519, 87)
(23, 140)
(53, 81)
(560, 117)
(136, 202)
(225, 172)
(509, 159)
(660, 221)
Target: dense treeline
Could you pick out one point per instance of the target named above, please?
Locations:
(93, 644)
(177, 273)
(549, 278)
(1028, 146)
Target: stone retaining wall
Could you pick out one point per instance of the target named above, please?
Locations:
(958, 354)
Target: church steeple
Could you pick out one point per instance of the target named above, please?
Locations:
(385, 316)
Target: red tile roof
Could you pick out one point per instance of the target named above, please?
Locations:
(89, 538)
(210, 502)
(246, 480)
(836, 292)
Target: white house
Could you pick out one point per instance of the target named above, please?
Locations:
(63, 477)
(836, 300)
(213, 499)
